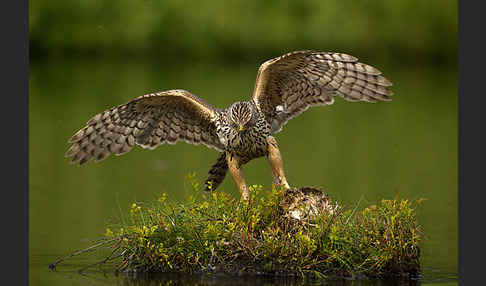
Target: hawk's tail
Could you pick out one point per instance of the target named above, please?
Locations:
(217, 173)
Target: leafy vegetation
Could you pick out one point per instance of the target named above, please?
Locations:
(213, 232)
(425, 31)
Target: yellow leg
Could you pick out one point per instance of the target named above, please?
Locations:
(276, 162)
(235, 169)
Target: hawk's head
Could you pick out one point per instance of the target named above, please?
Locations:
(240, 115)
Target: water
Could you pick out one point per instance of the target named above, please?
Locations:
(407, 147)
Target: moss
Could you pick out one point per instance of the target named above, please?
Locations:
(213, 232)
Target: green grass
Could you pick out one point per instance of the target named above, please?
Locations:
(213, 232)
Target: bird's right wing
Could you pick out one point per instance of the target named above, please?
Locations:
(288, 85)
(148, 120)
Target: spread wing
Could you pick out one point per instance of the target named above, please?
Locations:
(288, 85)
(148, 120)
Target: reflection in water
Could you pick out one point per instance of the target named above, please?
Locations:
(166, 279)
(223, 280)
(68, 273)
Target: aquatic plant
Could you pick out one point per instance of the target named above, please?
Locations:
(213, 232)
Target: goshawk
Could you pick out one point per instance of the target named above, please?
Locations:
(285, 87)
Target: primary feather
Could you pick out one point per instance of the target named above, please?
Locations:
(288, 85)
(284, 88)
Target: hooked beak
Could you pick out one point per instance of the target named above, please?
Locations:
(241, 128)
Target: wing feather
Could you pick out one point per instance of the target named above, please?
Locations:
(148, 120)
(288, 85)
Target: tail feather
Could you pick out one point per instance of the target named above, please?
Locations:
(217, 173)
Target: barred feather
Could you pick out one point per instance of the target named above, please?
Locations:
(288, 85)
(217, 173)
(148, 120)
(284, 88)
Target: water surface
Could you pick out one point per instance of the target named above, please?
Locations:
(407, 147)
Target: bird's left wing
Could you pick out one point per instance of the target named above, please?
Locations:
(288, 85)
(148, 120)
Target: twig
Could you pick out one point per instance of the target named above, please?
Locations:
(109, 257)
(52, 266)
(315, 263)
(124, 263)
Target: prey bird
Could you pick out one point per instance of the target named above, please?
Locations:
(285, 87)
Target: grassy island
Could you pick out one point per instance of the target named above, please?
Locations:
(213, 232)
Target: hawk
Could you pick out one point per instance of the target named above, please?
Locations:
(284, 88)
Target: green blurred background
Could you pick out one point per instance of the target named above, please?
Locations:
(89, 55)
